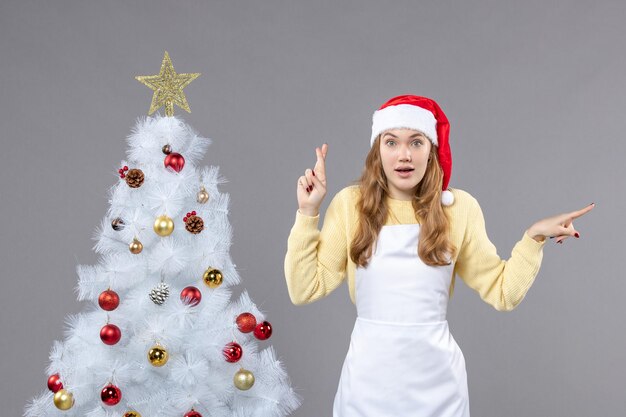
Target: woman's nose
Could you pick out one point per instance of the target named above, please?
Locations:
(405, 154)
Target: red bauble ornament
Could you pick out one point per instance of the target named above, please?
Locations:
(111, 395)
(246, 322)
(175, 161)
(110, 334)
(54, 383)
(263, 331)
(232, 352)
(193, 413)
(190, 296)
(108, 300)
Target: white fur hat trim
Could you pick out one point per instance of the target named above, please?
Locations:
(405, 116)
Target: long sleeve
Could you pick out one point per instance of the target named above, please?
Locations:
(502, 284)
(316, 262)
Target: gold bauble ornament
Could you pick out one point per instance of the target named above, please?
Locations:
(158, 356)
(163, 226)
(63, 399)
(244, 379)
(202, 196)
(135, 246)
(212, 277)
(132, 414)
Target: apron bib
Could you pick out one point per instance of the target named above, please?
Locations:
(402, 360)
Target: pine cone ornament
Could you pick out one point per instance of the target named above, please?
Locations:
(193, 223)
(159, 294)
(134, 178)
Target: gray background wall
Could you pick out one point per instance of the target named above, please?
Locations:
(536, 95)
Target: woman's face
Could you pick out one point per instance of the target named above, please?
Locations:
(404, 155)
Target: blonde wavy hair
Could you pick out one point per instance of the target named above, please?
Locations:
(434, 247)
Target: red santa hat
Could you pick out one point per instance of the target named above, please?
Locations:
(424, 115)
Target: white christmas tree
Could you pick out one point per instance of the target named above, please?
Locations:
(161, 336)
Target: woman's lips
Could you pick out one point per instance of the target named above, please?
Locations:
(405, 173)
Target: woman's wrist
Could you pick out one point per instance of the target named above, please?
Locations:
(308, 211)
(535, 235)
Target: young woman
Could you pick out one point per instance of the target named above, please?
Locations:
(400, 237)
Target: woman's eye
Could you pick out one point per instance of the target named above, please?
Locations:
(391, 142)
(417, 142)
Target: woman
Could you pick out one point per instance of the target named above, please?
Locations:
(400, 237)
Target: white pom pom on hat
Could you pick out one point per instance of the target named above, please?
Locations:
(447, 198)
(422, 114)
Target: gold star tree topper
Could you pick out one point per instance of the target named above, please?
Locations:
(168, 87)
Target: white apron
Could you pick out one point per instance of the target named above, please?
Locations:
(402, 360)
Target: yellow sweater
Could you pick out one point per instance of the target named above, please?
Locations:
(317, 262)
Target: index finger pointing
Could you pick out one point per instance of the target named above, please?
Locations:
(580, 212)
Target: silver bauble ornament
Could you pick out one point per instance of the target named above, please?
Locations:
(202, 196)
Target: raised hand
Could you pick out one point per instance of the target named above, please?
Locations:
(312, 185)
(559, 227)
